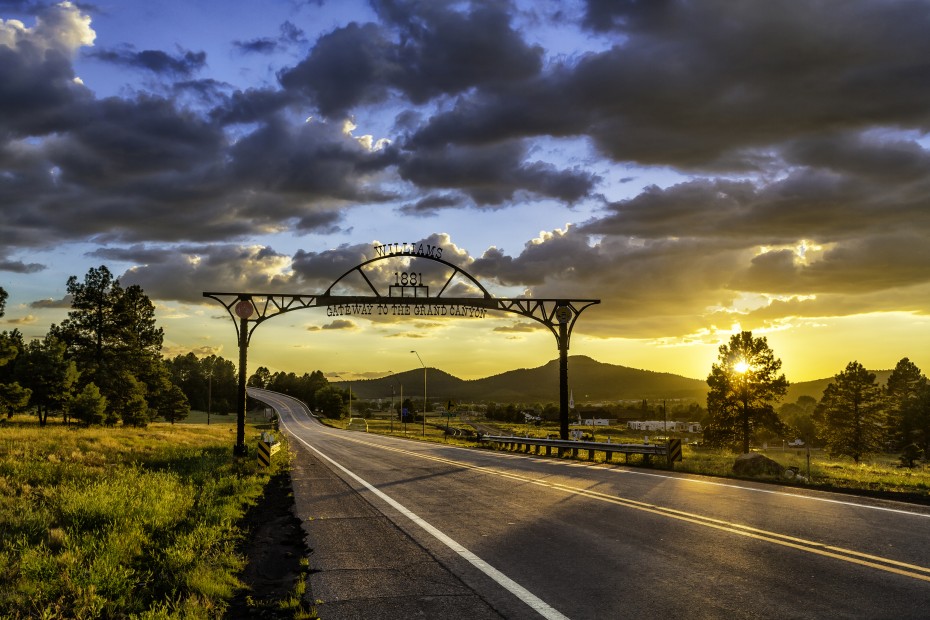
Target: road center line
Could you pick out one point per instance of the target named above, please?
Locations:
(839, 553)
(848, 555)
(537, 604)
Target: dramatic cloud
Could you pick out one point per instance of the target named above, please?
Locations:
(424, 51)
(182, 65)
(38, 87)
(289, 35)
(183, 273)
(692, 164)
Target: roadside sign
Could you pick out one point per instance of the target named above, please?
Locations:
(244, 309)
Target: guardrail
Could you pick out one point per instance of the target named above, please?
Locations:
(670, 450)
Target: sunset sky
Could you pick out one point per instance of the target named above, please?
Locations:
(700, 167)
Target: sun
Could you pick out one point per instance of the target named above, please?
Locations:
(741, 366)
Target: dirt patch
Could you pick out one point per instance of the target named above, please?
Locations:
(276, 573)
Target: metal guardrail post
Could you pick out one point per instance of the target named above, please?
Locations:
(531, 445)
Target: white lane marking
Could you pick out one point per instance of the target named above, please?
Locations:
(772, 492)
(538, 605)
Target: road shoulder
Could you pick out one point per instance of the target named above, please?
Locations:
(364, 566)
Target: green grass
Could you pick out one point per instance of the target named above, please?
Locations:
(135, 523)
(880, 474)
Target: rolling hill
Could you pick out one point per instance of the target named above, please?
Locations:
(589, 380)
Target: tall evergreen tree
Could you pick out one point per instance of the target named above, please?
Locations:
(172, 405)
(261, 378)
(331, 402)
(209, 383)
(919, 420)
(850, 417)
(902, 401)
(11, 351)
(111, 333)
(14, 398)
(49, 374)
(744, 385)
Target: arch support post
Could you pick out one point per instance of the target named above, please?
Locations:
(563, 381)
(240, 448)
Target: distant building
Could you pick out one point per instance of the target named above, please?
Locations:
(661, 425)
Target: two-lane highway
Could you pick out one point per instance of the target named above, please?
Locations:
(531, 536)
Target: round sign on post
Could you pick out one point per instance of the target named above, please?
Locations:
(563, 314)
(244, 309)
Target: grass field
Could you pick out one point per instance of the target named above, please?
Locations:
(128, 523)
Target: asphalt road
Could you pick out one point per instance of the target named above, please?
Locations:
(433, 531)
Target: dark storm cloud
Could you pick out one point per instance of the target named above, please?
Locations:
(348, 67)
(816, 205)
(433, 204)
(716, 84)
(491, 175)
(289, 35)
(250, 106)
(37, 82)
(320, 269)
(426, 50)
(183, 272)
(878, 160)
(207, 90)
(801, 127)
(263, 45)
(868, 265)
(120, 137)
(322, 222)
(623, 15)
(18, 266)
(146, 167)
(181, 65)
(313, 160)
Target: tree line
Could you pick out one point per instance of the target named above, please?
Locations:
(855, 417)
(101, 365)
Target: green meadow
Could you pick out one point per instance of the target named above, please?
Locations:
(123, 522)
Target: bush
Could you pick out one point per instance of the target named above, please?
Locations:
(89, 406)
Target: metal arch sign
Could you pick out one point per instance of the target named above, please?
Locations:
(369, 290)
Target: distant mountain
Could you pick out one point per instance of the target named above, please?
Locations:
(588, 379)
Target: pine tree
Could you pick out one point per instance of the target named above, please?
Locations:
(46, 371)
(850, 417)
(902, 401)
(13, 397)
(744, 384)
(89, 405)
(111, 334)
